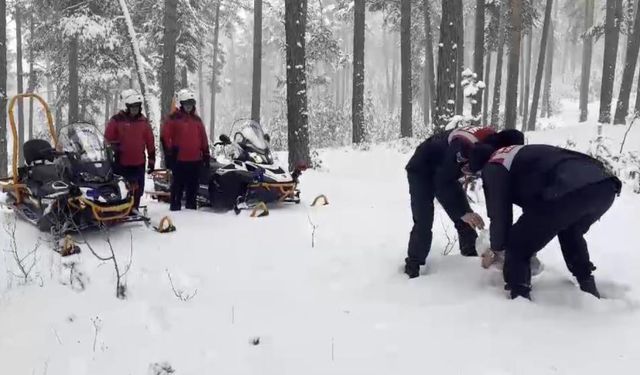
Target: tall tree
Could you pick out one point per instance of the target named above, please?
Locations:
(538, 82)
(485, 99)
(429, 76)
(447, 66)
(511, 101)
(548, 72)
(4, 160)
(297, 113)
(405, 62)
(357, 104)
(478, 56)
(521, 89)
(633, 44)
(31, 86)
(497, 85)
(459, 15)
(611, 36)
(214, 73)
(527, 78)
(168, 68)
(587, 52)
(19, 77)
(74, 81)
(257, 60)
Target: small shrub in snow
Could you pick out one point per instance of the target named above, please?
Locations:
(162, 368)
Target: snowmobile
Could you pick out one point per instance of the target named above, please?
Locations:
(242, 174)
(70, 186)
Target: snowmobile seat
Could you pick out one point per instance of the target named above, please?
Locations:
(37, 150)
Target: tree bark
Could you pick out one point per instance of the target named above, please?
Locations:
(587, 52)
(527, 80)
(633, 44)
(611, 37)
(297, 114)
(548, 73)
(485, 99)
(74, 102)
(214, 73)
(521, 74)
(201, 90)
(107, 105)
(541, 59)
(405, 62)
(357, 104)
(445, 107)
(257, 60)
(394, 74)
(184, 77)
(459, 57)
(511, 100)
(168, 69)
(478, 58)
(4, 160)
(19, 78)
(497, 87)
(430, 82)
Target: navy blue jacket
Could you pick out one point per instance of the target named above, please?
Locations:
(530, 176)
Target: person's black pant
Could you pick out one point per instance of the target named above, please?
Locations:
(134, 175)
(569, 218)
(185, 181)
(422, 191)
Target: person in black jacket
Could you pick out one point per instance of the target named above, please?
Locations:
(561, 192)
(433, 172)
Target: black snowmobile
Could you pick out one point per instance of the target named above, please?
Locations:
(242, 174)
(71, 187)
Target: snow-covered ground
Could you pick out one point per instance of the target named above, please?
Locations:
(265, 301)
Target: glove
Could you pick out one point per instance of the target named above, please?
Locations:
(492, 258)
(151, 166)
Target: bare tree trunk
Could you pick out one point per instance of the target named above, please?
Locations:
(168, 69)
(201, 89)
(485, 99)
(4, 160)
(521, 89)
(137, 60)
(611, 37)
(447, 66)
(430, 82)
(633, 44)
(184, 77)
(232, 66)
(548, 73)
(387, 67)
(459, 58)
(543, 48)
(394, 74)
(405, 57)
(297, 116)
(511, 100)
(478, 57)
(32, 76)
(587, 52)
(357, 104)
(19, 76)
(107, 104)
(527, 80)
(214, 73)
(83, 104)
(74, 102)
(497, 87)
(257, 60)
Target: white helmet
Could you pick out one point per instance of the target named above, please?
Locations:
(184, 95)
(129, 97)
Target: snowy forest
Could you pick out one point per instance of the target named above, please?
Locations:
(373, 70)
(304, 205)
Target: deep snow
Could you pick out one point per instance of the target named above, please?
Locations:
(341, 307)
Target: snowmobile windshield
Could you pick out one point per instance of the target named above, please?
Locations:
(252, 136)
(84, 140)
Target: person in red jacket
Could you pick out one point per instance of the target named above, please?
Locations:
(186, 148)
(129, 133)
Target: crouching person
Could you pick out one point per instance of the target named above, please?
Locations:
(186, 148)
(434, 172)
(128, 133)
(561, 193)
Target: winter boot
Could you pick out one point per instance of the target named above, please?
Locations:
(412, 269)
(467, 237)
(518, 291)
(588, 285)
